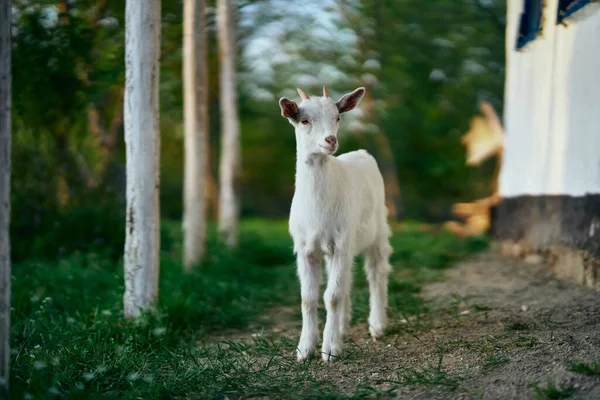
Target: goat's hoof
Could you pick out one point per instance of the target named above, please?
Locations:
(331, 353)
(331, 357)
(303, 355)
(376, 331)
(306, 348)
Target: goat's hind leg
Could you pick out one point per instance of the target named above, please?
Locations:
(377, 269)
(310, 273)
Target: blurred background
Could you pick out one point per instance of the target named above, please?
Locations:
(426, 65)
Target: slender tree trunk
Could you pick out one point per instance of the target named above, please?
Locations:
(212, 191)
(390, 179)
(5, 165)
(195, 89)
(142, 140)
(230, 137)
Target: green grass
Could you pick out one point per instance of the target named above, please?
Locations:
(590, 369)
(69, 338)
(552, 392)
(431, 375)
(495, 359)
(517, 326)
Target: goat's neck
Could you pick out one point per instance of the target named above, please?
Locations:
(313, 172)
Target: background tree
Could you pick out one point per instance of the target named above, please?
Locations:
(427, 74)
(142, 138)
(195, 78)
(369, 128)
(230, 129)
(433, 63)
(5, 167)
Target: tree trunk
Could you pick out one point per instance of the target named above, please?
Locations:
(195, 90)
(142, 142)
(212, 191)
(5, 164)
(230, 136)
(390, 179)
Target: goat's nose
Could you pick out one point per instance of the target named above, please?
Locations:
(331, 140)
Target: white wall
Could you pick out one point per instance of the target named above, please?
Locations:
(552, 106)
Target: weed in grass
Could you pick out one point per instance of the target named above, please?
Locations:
(551, 392)
(478, 393)
(444, 347)
(430, 376)
(517, 326)
(481, 308)
(495, 359)
(590, 369)
(396, 328)
(352, 352)
(522, 341)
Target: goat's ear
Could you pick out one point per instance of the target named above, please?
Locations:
(289, 108)
(350, 100)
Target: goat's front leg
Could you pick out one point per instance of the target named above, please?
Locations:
(310, 273)
(346, 315)
(339, 270)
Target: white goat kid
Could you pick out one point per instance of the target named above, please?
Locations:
(337, 213)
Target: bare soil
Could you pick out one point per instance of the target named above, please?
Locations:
(541, 324)
(495, 328)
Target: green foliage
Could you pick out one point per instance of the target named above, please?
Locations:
(45, 230)
(431, 375)
(51, 235)
(424, 118)
(70, 339)
(68, 65)
(426, 376)
(552, 392)
(591, 369)
(436, 251)
(48, 91)
(495, 359)
(517, 326)
(68, 314)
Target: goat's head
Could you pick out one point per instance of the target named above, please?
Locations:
(316, 119)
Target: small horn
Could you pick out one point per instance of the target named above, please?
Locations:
(302, 94)
(325, 92)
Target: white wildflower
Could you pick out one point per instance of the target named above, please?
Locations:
(39, 365)
(159, 331)
(134, 376)
(88, 376)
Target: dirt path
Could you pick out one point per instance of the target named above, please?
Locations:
(493, 329)
(502, 330)
(535, 327)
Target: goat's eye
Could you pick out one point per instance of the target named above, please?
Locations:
(304, 122)
(338, 118)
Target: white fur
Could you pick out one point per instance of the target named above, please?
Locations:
(338, 212)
